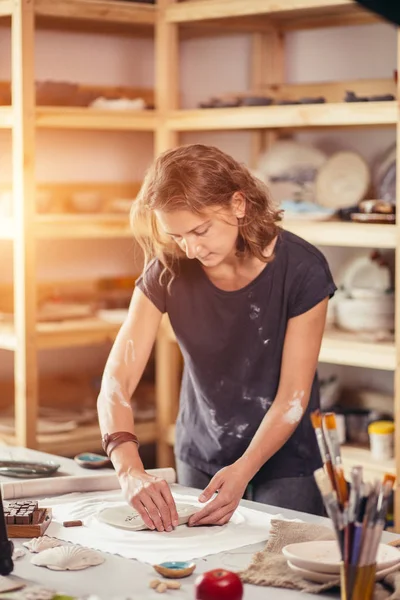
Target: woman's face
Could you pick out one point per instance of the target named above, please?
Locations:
(210, 237)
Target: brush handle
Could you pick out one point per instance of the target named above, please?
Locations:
(348, 542)
(356, 545)
(375, 541)
(365, 546)
(331, 474)
(341, 485)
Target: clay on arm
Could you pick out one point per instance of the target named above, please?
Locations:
(124, 368)
(299, 362)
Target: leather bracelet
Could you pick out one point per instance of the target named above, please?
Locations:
(111, 440)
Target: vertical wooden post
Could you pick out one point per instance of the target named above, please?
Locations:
(23, 154)
(167, 352)
(168, 383)
(167, 76)
(397, 314)
(267, 67)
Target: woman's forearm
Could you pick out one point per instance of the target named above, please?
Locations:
(275, 429)
(120, 379)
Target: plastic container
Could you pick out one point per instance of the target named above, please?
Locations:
(381, 436)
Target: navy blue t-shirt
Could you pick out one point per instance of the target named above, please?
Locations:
(232, 345)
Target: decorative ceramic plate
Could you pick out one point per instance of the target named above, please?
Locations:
(125, 517)
(324, 557)
(328, 577)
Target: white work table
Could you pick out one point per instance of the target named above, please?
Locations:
(129, 579)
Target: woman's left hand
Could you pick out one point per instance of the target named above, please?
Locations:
(230, 483)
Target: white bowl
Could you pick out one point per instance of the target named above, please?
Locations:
(366, 314)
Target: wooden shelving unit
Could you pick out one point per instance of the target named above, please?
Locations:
(25, 337)
(267, 76)
(266, 21)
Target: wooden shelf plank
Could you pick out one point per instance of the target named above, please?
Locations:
(6, 117)
(202, 10)
(8, 339)
(341, 348)
(98, 11)
(372, 468)
(6, 8)
(97, 226)
(340, 233)
(82, 439)
(80, 332)
(91, 118)
(7, 228)
(340, 114)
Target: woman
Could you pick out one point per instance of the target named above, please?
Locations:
(247, 302)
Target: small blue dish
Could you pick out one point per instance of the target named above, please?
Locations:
(175, 569)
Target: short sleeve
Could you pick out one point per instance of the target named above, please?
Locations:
(149, 283)
(313, 282)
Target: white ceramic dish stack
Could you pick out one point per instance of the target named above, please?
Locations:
(320, 561)
(365, 302)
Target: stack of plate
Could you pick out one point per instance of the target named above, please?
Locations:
(320, 561)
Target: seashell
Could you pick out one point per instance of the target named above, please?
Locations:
(67, 558)
(18, 553)
(37, 593)
(41, 543)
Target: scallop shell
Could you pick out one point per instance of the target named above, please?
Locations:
(41, 543)
(67, 558)
(37, 593)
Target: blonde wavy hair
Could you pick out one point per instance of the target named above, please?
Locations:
(197, 177)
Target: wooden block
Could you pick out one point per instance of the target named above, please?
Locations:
(41, 519)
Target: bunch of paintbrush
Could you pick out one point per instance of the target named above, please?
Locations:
(358, 511)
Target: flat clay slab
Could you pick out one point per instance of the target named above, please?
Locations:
(125, 517)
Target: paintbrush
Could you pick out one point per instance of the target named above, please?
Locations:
(356, 477)
(329, 421)
(364, 570)
(380, 520)
(331, 505)
(358, 524)
(316, 420)
(369, 520)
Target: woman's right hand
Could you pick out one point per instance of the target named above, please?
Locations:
(151, 497)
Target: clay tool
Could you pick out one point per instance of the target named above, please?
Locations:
(91, 460)
(77, 523)
(329, 421)
(316, 420)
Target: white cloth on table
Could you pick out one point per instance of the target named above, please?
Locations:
(247, 526)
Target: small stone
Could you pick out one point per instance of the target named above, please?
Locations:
(161, 588)
(154, 583)
(173, 585)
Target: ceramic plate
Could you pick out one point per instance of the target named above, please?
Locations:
(125, 517)
(373, 218)
(327, 577)
(323, 557)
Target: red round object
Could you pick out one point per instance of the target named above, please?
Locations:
(219, 584)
